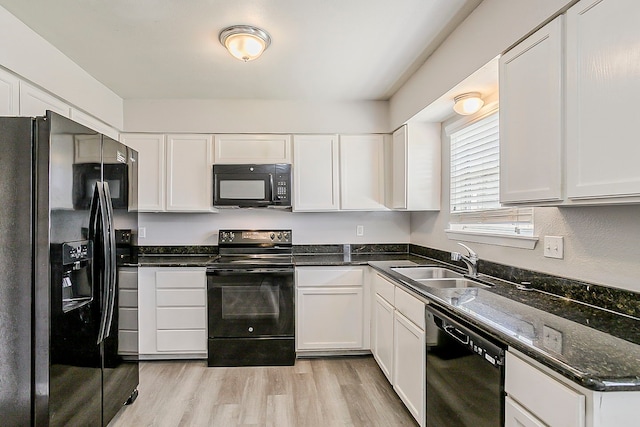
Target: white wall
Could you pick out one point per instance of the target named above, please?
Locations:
(601, 244)
(491, 28)
(255, 116)
(31, 57)
(308, 227)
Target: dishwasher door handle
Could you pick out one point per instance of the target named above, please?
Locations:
(457, 334)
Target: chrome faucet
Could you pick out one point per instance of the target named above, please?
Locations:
(471, 260)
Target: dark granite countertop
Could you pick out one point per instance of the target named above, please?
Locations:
(600, 348)
(597, 354)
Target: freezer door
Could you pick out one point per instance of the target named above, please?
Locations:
(16, 269)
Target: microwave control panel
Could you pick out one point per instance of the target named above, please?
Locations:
(282, 184)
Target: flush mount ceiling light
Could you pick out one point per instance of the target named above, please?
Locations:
(244, 41)
(467, 103)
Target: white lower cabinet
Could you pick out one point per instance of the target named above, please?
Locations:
(538, 396)
(128, 310)
(330, 309)
(516, 416)
(382, 340)
(398, 343)
(173, 312)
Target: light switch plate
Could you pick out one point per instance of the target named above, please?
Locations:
(360, 230)
(554, 247)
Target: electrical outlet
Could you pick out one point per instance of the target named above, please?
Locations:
(552, 339)
(360, 230)
(142, 232)
(554, 247)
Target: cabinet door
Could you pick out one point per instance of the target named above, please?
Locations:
(409, 366)
(9, 94)
(240, 149)
(35, 102)
(362, 172)
(400, 169)
(189, 173)
(516, 416)
(151, 169)
(603, 88)
(93, 123)
(330, 318)
(415, 173)
(382, 345)
(531, 118)
(316, 184)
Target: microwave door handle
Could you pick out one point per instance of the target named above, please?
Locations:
(111, 278)
(273, 195)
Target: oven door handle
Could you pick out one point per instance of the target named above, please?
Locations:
(234, 271)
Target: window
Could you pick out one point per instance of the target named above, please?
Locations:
(475, 184)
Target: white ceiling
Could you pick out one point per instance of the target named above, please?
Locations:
(321, 49)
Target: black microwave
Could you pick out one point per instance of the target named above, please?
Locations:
(85, 176)
(252, 186)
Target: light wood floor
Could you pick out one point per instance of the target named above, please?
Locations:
(321, 392)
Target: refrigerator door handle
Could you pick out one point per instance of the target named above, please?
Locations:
(106, 267)
(112, 278)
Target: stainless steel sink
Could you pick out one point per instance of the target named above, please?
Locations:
(427, 273)
(452, 283)
(437, 277)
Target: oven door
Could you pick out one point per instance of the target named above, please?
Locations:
(244, 303)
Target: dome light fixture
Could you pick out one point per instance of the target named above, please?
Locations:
(467, 103)
(245, 42)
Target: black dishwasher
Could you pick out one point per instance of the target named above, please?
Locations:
(465, 374)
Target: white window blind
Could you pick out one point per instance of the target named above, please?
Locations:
(475, 183)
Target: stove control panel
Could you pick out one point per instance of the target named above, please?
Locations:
(254, 237)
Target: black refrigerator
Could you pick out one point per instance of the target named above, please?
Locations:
(68, 288)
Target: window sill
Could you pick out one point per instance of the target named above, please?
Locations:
(521, 242)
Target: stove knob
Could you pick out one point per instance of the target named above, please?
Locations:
(273, 236)
(250, 328)
(279, 236)
(286, 235)
(231, 235)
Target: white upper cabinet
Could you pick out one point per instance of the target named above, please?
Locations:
(531, 117)
(175, 171)
(35, 102)
(189, 173)
(151, 169)
(603, 88)
(247, 149)
(9, 94)
(568, 109)
(415, 167)
(316, 181)
(362, 172)
(93, 123)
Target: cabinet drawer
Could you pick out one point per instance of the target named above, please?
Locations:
(181, 279)
(128, 318)
(181, 297)
(181, 318)
(128, 298)
(411, 307)
(330, 276)
(127, 342)
(385, 288)
(543, 395)
(128, 279)
(182, 341)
